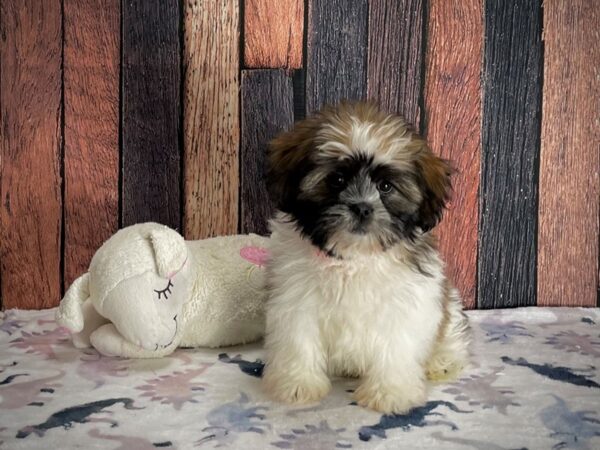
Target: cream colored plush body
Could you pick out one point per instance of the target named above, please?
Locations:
(148, 292)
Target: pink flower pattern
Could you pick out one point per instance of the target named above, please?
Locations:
(41, 343)
(176, 388)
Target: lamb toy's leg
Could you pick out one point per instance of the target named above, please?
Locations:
(108, 341)
(91, 322)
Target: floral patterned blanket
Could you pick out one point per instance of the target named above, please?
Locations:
(533, 384)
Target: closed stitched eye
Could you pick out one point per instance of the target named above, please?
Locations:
(164, 292)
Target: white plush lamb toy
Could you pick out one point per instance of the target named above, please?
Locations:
(148, 291)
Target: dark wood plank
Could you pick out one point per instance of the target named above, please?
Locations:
(336, 65)
(267, 109)
(396, 56)
(273, 33)
(151, 112)
(30, 120)
(299, 84)
(91, 152)
(452, 124)
(570, 156)
(211, 118)
(511, 135)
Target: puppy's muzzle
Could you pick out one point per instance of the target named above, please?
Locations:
(363, 212)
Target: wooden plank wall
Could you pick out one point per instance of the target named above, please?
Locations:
(162, 110)
(395, 64)
(336, 51)
(570, 156)
(267, 108)
(31, 124)
(273, 33)
(151, 114)
(510, 157)
(211, 118)
(452, 126)
(91, 134)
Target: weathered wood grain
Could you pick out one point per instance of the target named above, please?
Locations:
(211, 118)
(151, 112)
(512, 97)
(273, 33)
(30, 120)
(336, 52)
(299, 85)
(452, 122)
(394, 71)
(91, 133)
(569, 198)
(267, 109)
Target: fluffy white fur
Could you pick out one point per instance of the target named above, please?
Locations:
(372, 316)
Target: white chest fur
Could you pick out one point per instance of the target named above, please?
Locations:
(357, 310)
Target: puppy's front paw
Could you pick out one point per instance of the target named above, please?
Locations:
(292, 388)
(390, 400)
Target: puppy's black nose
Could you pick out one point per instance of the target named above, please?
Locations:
(362, 210)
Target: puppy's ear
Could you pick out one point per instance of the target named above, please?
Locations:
(288, 161)
(434, 180)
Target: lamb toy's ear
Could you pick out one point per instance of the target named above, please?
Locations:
(69, 313)
(170, 250)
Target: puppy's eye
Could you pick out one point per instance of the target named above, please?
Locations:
(164, 293)
(337, 180)
(385, 187)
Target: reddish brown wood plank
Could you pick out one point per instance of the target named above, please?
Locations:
(453, 126)
(273, 33)
(396, 56)
(211, 118)
(30, 99)
(91, 165)
(570, 156)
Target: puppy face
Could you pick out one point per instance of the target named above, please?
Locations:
(357, 180)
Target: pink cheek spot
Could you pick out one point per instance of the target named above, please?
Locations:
(258, 256)
(175, 272)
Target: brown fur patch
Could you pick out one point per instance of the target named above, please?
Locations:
(288, 153)
(349, 131)
(435, 175)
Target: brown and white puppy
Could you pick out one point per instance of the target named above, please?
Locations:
(356, 283)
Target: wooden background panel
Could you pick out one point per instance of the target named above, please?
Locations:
(91, 133)
(211, 118)
(299, 87)
(273, 33)
(512, 100)
(151, 112)
(452, 123)
(396, 56)
(30, 114)
(267, 109)
(570, 156)
(336, 51)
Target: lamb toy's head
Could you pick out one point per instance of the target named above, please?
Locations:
(139, 280)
